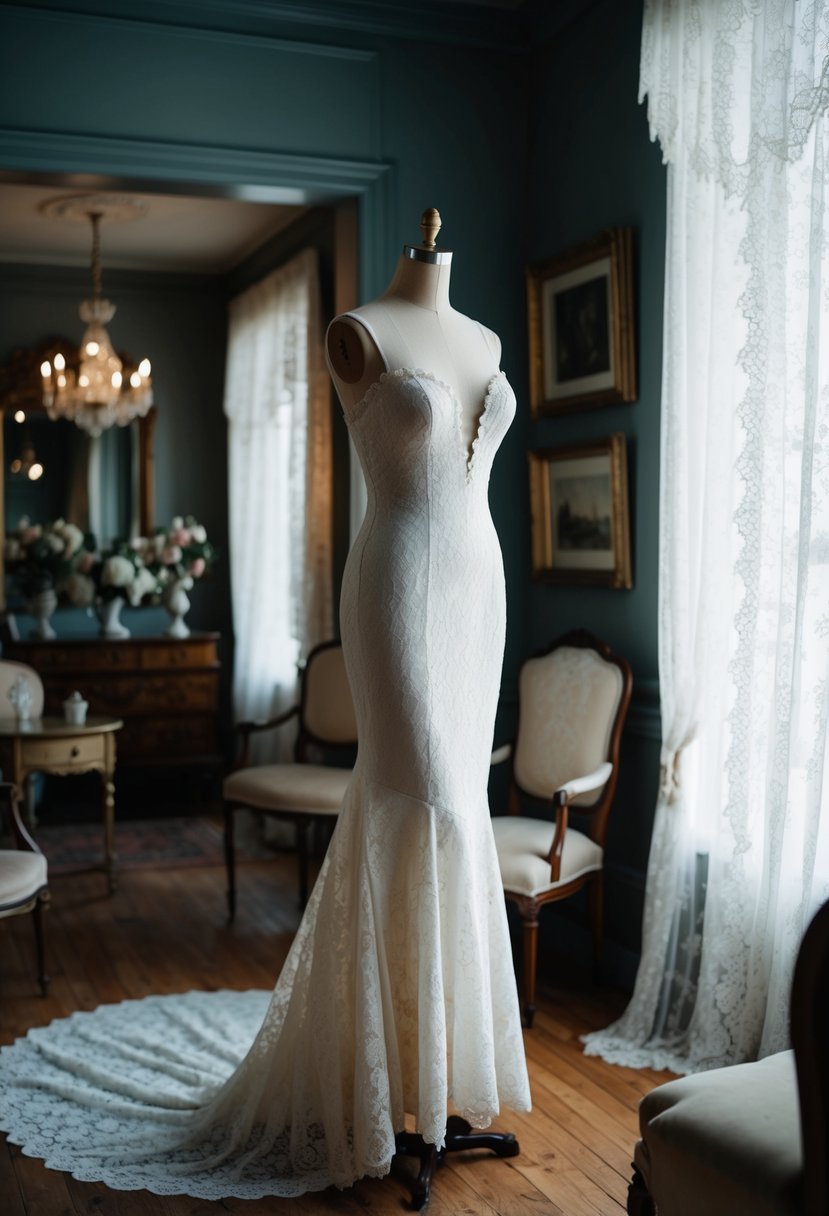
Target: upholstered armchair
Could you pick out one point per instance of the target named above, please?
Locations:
(302, 792)
(23, 877)
(752, 1139)
(572, 702)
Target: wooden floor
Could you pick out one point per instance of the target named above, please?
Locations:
(165, 932)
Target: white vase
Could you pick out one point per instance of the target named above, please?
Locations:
(41, 606)
(109, 614)
(175, 600)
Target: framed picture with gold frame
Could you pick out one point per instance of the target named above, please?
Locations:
(580, 524)
(581, 323)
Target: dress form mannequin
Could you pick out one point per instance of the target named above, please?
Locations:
(413, 325)
(397, 1002)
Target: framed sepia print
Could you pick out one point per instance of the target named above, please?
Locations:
(580, 305)
(580, 527)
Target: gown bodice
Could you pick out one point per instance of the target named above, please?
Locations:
(422, 609)
(408, 434)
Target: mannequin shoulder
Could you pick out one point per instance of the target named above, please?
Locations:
(354, 359)
(493, 342)
(348, 348)
(473, 331)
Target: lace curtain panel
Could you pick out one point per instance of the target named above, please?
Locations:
(277, 401)
(737, 96)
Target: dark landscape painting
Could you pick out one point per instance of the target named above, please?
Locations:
(582, 346)
(581, 511)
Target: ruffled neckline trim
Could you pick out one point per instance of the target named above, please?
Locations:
(417, 373)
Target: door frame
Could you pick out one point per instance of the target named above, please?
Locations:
(96, 162)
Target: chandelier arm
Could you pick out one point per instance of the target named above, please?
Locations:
(97, 278)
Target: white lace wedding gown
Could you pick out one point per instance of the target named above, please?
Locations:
(398, 994)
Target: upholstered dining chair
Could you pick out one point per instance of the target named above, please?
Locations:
(302, 792)
(23, 877)
(572, 702)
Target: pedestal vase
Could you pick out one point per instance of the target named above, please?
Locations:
(175, 600)
(109, 616)
(42, 605)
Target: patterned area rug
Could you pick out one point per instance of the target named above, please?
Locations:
(141, 843)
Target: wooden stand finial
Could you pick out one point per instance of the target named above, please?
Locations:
(430, 224)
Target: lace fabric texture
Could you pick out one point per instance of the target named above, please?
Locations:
(398, 994)
(737, 95)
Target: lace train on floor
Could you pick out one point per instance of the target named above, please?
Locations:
(397, 996)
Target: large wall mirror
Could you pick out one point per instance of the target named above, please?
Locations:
(103, 484)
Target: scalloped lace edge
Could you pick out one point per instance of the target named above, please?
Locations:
(419, 373)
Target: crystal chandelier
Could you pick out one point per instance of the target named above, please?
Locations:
(93, 387)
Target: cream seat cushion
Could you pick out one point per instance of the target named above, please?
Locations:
(725, 1142)
(523, 848)
(22, 875)
(317, 789)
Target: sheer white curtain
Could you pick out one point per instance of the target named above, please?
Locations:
(737, 96)
(278, 407)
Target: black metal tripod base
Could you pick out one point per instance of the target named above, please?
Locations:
(459, 1137)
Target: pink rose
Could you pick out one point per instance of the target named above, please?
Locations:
(171, 554)
(197, 568)
(85, 562)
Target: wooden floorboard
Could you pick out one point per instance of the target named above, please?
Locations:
(165, 931)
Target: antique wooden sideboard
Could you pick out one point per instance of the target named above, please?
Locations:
(166, 690)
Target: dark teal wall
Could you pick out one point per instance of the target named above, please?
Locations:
(591, 166)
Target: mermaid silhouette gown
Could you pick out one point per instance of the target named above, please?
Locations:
(398, 993)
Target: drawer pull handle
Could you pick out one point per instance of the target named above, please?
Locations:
(75, 752)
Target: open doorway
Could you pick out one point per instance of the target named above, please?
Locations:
(171, 283)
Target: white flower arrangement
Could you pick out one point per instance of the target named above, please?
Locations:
(144, 585)
(181, 551)
(41, 556)
(61, 556)
(117, 573)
